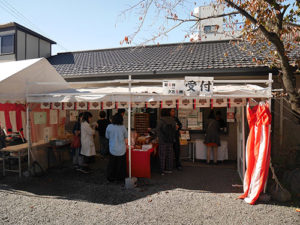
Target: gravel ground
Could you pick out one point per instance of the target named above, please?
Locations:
(196, 195)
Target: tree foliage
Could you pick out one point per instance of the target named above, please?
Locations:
(274, 24)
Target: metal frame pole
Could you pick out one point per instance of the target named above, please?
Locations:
(129, 127)
(244, 142)
(270, 130)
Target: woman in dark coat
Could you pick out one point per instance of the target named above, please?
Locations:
(212, 137)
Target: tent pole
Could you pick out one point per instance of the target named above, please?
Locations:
(270, 130)
(129, 127)
(244, 144)
(28, 131)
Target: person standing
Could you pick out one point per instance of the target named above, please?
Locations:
(176, 145)
(212, 137)
(87, 139)
(101, 127)
(166, 129)
(76, 146)
(117, 135)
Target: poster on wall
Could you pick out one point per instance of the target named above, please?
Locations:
(53, 117)
(191, 119)
(40, 118)
(173, 87)
(73, 116)
(230, 115)
(47, 134)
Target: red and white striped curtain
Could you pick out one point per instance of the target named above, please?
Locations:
(12, 116)
(257, 151)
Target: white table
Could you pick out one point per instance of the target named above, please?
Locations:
(201, 150)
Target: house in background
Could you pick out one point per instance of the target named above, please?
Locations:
(19, 43)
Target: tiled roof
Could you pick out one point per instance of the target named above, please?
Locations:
(205, 57)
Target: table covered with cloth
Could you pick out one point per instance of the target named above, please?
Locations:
(140, 162)
(201, 150)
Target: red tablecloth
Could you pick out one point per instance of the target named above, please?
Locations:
(140, 163)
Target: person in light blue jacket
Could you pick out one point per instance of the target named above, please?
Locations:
(117, 135)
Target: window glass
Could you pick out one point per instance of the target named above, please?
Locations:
(7, 44)
(210, 29)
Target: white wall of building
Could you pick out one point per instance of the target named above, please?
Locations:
(215, 24)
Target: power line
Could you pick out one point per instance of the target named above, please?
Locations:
(19, 16)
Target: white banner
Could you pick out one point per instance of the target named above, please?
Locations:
(202, 103)
(237, 102)
(122, 105)
(195, 86)
(186, 103)
(94, 106)
(45, 105)
(138, 104)
(220, 102)
(81, 105)
(169, 104)
(173, 87)
(153, 104)
(108, 105)
(69, 105)
(56, 105)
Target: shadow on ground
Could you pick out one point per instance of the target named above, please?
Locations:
(69, 184)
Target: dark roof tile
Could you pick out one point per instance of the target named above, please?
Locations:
(170, 58)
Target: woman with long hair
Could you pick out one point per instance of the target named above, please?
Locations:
(87, 138)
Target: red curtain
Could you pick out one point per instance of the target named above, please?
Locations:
(258, 151)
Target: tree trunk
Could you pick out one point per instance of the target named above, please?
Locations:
(288, 78)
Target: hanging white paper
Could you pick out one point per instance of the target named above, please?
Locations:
(53, 117)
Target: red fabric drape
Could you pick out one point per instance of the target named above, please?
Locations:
(7, 107)
(258, 151)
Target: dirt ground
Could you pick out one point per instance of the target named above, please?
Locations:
(199, 194)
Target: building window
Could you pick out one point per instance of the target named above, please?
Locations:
(211, 29)
(7, 44)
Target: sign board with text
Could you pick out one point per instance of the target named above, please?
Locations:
(191, 86)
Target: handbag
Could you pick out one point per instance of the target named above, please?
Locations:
(76, 142)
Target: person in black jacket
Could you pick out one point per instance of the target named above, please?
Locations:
(176, 145)
(165, 130)
(101, 127)
(2, 138)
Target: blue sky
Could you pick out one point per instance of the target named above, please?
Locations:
(81, 25)
(89, 24)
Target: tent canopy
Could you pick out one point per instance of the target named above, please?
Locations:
(144, 94)
(17, 79)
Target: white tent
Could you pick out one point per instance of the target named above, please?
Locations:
(145, 93)
(221, 89)
(16, 79)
